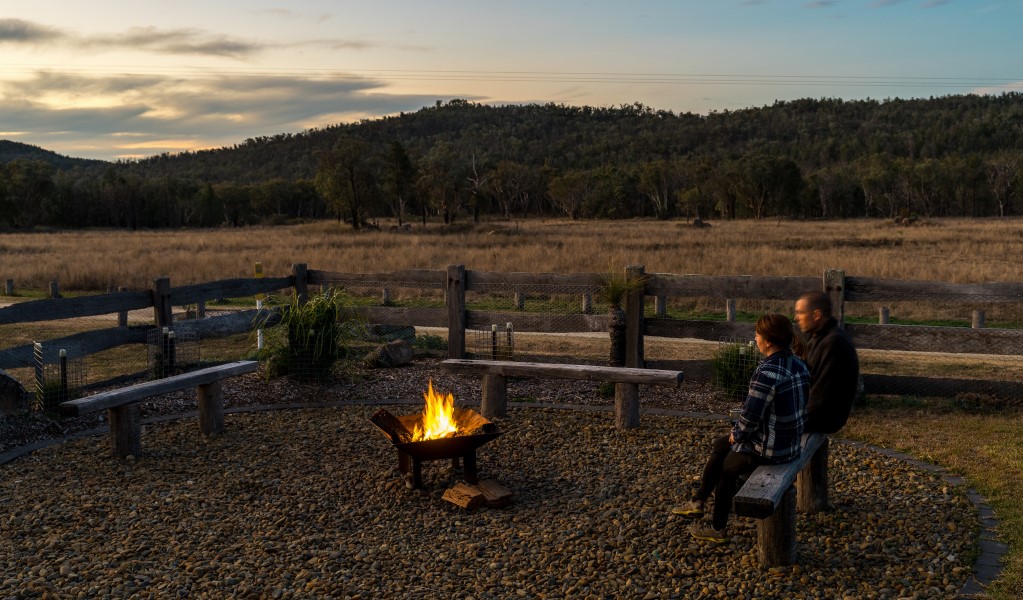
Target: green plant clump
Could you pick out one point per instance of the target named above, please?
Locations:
(733, 365)
(429, 341)
(312, 337)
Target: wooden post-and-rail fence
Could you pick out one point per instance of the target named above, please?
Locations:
(458, 317)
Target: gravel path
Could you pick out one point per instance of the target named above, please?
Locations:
(307, 503)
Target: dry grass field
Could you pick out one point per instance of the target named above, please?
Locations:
(960, 251)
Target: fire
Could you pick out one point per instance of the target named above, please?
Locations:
(438, 417)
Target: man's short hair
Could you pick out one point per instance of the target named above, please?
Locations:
(818, 300)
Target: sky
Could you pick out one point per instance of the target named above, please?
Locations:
(124, 80)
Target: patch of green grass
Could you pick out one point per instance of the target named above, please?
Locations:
(984, 447)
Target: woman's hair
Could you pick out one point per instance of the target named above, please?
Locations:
(776, 329)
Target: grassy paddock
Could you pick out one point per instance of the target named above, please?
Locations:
(962, 251)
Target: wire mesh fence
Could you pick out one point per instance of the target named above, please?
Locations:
(493, 343)
(59, 374)
(548, 322)
(558, 322)
(170, 352)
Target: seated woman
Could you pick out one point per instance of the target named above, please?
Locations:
(768, 431)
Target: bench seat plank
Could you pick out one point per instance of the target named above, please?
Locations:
(148, 389)
(763, 490)
(560, 371)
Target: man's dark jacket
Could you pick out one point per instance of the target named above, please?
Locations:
(834, 375)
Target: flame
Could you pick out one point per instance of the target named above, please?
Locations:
(438, 417)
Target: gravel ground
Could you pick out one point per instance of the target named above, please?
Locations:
(308, 503)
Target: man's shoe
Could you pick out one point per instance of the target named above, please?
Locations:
(693, 508)
(707, 533)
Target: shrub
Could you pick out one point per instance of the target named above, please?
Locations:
(733, 365)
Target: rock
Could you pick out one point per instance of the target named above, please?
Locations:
(391, 354)
(13, 397)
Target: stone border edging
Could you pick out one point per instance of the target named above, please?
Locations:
(986, 569)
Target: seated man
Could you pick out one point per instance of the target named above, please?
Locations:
(833, 363)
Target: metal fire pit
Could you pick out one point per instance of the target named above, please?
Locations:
(457, 448)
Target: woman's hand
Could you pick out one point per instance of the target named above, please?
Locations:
(731, 438)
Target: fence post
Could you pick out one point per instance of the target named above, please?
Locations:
(200, 309)
(634, 317)
(834, 286)
(39, 372)
(660, 306)
(9, 287)
(510, 339)
(730, 310)
(456, 311)
(587, 303)
(54, 290)
(385, 297)
(882, 316)
(301, 275)
(520, 301)
(161, 302)
(978, 319)
(122, 317)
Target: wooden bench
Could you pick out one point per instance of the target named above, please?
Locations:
(769, 496)
(626, 380)
(123, 404)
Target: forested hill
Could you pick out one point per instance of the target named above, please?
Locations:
(813, 133)
(953, 155)
(11, 151)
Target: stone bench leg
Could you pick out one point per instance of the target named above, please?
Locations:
(627, 405)
(776, 535)
(812, 483)
(495, 396)
(211, 409)
(125, 430)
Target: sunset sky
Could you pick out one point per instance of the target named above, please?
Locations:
(108, 80)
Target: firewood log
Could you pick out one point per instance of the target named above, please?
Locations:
(495, 494)
(392, 426)
(464, 495)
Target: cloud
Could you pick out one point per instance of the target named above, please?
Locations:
(110, 116)
(174, 41)
(883, 3)
(935, 3)
(18, 31)
(820, 4)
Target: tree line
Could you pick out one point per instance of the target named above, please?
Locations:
(811, 158)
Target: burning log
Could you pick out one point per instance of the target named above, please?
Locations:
(464, 495)
(392, 426)
(496, 495)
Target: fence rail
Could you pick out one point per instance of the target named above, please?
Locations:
(458, 316)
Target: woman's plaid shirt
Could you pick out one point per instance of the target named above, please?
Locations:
(773, 416)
